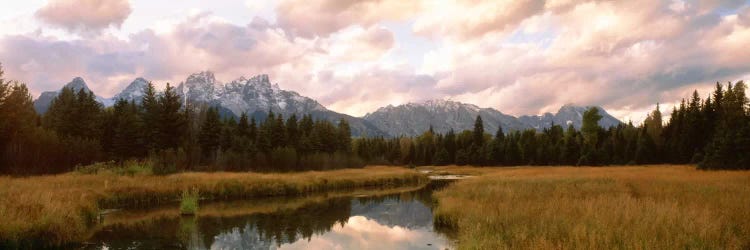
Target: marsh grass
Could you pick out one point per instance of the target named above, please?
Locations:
(189, 202)
(645, 207)
(55, 210)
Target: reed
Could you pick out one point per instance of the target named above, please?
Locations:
(54, 210)
(189, 202)
(643, 207)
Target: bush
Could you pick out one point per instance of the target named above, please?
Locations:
(129, 167)
(95, 168)
(134, 167)
(167, 161)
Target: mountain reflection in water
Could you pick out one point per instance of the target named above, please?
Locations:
(395, 221)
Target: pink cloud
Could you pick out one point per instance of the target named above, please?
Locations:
(521, 57)
(309, 18)
(85, 16)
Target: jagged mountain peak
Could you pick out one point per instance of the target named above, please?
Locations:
(77, 84)
(432, 105)
(134, 90)
(137, 84)
(449, 104)
(568, 114)
(412, 119)
(203, 76)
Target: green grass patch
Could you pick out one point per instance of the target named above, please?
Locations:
(189, 202)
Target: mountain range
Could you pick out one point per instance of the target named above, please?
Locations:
(256, 96)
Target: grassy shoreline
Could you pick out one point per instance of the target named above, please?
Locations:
(60, 209)
(660, 207)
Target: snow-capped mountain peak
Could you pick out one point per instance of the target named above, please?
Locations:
(134, 91)
(77, 84)
(448, 105)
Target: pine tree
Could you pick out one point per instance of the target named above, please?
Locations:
(497, 147)
(253, 134)
(292, 132)
(590, 131)
(210, 132)
(646, 148)
(278, 132)
(449, 143)
(343, 136)
(126, 137)
(87, 117)
(171, 122)
(243, 127)
(150, 116)
(732, 135)
(17, 118)
(570, 152)
(478, 133)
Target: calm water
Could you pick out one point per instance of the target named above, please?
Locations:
(393, 221)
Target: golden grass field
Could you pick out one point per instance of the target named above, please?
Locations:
(60, 209)
(634, 207)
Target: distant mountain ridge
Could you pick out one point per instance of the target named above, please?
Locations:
(257, 95)
(414, 118)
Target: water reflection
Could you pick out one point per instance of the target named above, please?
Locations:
(396, 221)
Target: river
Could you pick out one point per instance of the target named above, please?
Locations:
(402, 219)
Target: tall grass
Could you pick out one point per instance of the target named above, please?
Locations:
(59, 209)
(648, 207)
(189, 202)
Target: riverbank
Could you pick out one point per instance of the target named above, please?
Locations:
(60, 209)
(659, 207)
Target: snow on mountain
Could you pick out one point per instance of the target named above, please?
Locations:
(255, 96)
(243, 95)
(133, 92)
(568, 114)
(414, 118)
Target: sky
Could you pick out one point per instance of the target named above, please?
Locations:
(519, 57)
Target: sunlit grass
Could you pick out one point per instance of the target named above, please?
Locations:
(54, 210)
(644, 207)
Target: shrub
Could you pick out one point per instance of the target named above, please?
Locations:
(168, 161)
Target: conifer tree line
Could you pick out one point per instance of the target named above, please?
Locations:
(713, 133)
(173, 135)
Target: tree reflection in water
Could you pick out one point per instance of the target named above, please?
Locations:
(395, 221)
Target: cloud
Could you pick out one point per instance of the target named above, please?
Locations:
(520, 57)
(358, 44)
(85, 16)
(615, 54)
(468, 18)
(198, 42)
(310, 18)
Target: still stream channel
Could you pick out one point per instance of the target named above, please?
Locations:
(402, 220)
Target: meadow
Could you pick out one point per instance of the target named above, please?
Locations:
(629, 207)
(55, 210)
